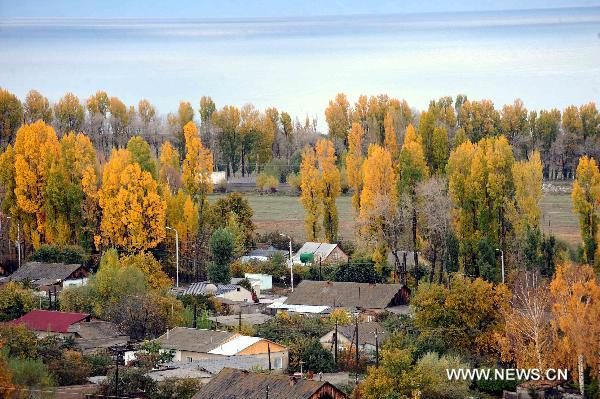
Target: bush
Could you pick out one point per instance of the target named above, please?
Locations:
(30, 373)
(15, 301)
(267, 183)
(313, 356)
(180, 388)
(294, 181)
(99, 363)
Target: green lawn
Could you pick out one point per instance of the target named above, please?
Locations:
(285, 213)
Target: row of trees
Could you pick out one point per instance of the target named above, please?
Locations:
(241, 139)
(560, 137)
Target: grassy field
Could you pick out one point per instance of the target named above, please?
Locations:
(285, 213)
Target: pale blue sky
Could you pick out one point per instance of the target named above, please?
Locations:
(259, 8)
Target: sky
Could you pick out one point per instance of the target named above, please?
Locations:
(258, 8)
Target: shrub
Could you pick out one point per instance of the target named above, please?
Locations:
(267, 183)
(70, 254)
(15, 301)
(294, 181)
(30, 373)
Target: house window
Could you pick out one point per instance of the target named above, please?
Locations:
(189, 359)
(278, 363)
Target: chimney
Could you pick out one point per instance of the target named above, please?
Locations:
(293, 381)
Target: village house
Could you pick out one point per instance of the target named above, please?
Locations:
(370, 335)
(370, 300)
(50, 276)
(319, 252)
(263, 254)
(190, 344)
(240, 384)
(231, 292)
(89, 334)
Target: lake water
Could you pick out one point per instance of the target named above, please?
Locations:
(546, 57)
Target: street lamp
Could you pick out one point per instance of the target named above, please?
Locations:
(501, 262)
(291, 263)
(176, 254)
(18, 243)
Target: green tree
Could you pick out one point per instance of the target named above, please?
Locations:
(222, 249)
(37, 107)
(142, 154)
(11, 116)
(16, 300)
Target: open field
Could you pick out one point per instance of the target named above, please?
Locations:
(285, 213)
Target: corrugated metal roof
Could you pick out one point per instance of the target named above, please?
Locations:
(50, 320)
(235, 345)
(194, 340)
(319, 249)
(41, 273)
(206, 288)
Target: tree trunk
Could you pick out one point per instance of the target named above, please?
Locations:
(414, 237)
(432, 271)
(581, 380)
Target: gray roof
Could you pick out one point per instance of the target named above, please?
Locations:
(97, 334)
(253, 319)
(366, 332)
(240, 384)
(268, 252)
(215, 365)
(319, 249)
(343, 294)
(44, 273)
(179, 372)
(206, 288)
(194, 340)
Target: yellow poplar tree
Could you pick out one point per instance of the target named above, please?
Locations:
(390, 142)
(169, 166)
(36, 149)
(379, 183)
(331, 185)
(586, 203)
(527, 178)
(311, 185)
(354, 160)
(133, 214)
(197, 165)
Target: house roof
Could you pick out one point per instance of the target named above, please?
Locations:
(319, 249)
(44, 273)
(206, 288)
(267, 252)
(50, 320)
(235, 345)
(366, 332)
(194, 340)
(97, 334)
(240, 384)
(343, 294)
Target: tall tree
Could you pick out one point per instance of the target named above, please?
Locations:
(68, 114)
(228, 122)
(197, 165)
(354, 160)
(576, 310)
(170, 169)
(133, 214)
(11, 117)
(413, 169)
(337, 115)
(586, 203)
(527, 178)
(331, 185)
(142, 154)
(120, 120)
(37, 107)
(36, 149)
(312, 193)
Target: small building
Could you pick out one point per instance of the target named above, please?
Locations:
(231, 292)
(240, 384)
(190, 344)
(346, 338)
(52, 322)
(263, 254)
(265, 280)
(97, 335)
(369, 299)
(48, 276)
(320, 252)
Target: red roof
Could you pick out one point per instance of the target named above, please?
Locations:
(50, 320)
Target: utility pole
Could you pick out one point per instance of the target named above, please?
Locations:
(376, 348)
(320, 270)
(290, 262)
(356, 345)
(267, 392)
(335, 339)
(269, 353)
(195, 323)
(240, 321)
(176, 254)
